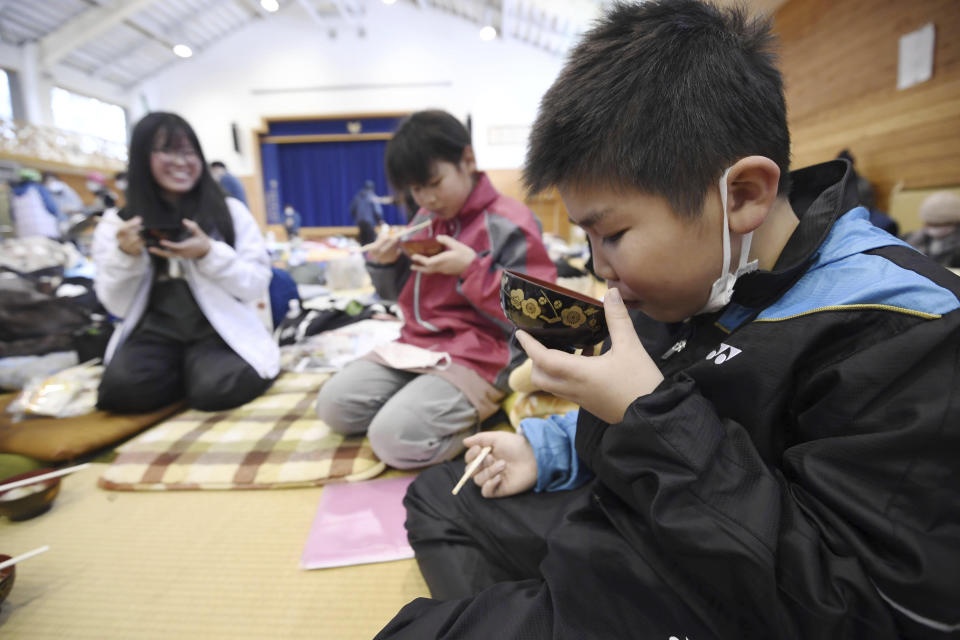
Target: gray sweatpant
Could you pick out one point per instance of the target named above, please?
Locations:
(412, 419)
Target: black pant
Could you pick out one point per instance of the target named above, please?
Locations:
(368, 232)
(150, 371)
(531, 566)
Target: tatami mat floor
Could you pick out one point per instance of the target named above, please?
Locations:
(189, 564)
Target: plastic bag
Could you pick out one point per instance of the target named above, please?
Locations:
(348, 272)
(71, 392)
(17, 371)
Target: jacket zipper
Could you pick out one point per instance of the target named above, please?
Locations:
(679, 346)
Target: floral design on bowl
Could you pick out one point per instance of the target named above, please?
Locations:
(559, 318)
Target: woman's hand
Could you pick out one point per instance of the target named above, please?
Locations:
(128, 236)
(451, 262)
(385, 249)
(510, 467)
(604, 385)
(195, 246)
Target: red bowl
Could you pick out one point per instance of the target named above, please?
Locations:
(28, 501)
(424, 247)
(7, 576)
(558, 317)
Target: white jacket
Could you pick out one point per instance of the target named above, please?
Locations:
(226, 283)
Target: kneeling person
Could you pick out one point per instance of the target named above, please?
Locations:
(418, 398)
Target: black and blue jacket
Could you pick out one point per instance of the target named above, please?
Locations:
(797, 473)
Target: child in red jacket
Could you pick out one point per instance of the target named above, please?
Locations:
(417, 398)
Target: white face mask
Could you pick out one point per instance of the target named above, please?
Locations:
(722, 289)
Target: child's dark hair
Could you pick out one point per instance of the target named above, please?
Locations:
(422, 139)
(205, 204)
(662, 97)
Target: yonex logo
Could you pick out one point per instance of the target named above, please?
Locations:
(724, 353)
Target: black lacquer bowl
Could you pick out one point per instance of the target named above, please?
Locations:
(7, 577)
(559, 318)
(23, 503)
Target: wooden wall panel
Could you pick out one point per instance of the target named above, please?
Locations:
(547, 206)
(839, 61)
(253, 187)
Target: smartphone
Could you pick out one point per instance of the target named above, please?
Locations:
(153, 235)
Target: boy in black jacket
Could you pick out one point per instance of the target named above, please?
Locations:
(789, 467)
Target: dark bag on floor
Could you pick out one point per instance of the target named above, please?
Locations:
(24, 316)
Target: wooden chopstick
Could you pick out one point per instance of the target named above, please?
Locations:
(471, 468)
(22, 557)
(402, 234)
(41, 478)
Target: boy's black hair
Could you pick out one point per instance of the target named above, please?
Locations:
(422, 139)
(204, 204)
(661, 97)
(218, 164)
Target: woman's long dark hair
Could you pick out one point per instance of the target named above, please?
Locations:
(205, 203)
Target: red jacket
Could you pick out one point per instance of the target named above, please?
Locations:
(462, 315)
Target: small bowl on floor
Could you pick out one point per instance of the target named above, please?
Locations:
(7, 576)
(423, 247)
(30, 500)
(558, 317)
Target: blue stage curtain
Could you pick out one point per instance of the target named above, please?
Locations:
(320, 179)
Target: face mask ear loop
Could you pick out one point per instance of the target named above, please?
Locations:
(726, 226)
(745, 251)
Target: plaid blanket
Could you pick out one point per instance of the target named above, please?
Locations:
(275, 440)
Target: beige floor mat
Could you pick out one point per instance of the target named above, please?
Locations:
(204, 564)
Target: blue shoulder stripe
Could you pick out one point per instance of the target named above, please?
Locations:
(842, 276)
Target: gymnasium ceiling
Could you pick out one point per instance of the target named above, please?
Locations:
(124, 42)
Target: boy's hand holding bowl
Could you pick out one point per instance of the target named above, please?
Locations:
(452, 262)
(604, 385)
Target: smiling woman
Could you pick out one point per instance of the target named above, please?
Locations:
(183, 265)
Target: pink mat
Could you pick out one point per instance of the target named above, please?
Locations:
(358, 523)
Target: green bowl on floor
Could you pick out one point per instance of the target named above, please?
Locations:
(11, 464)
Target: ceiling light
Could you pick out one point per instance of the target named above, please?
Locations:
(182, 50)
(270, 5)
(389, 1)
(488, 33)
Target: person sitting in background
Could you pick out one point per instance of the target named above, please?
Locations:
(418, 397)
(291, 222)
(120, 181)
(183, 266)
(940, 236)
(366, 211)
(103, 197)
(34, 209)
(865, 195)
(227, 181)
(68, 202)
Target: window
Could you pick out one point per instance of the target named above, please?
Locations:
(89, 116)
(6, 104)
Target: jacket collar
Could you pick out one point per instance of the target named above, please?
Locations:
(819, 196)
